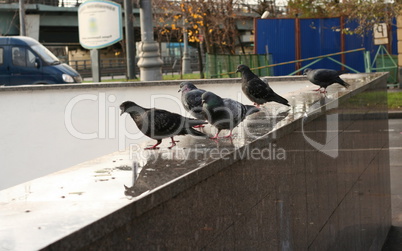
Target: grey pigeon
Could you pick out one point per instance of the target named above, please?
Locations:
(159, 124)
(257, 90)
(324, 77)
(225, 113)
(191, 99)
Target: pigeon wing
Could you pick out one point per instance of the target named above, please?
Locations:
(258, 88)
(163, 124)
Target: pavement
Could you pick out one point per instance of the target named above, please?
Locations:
(394, 241)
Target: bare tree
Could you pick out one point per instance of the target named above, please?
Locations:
(209, 21)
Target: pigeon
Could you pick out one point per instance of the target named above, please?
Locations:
(324, 78)
(159, 124)
(257, 90)
(191, 99)
(225, 113)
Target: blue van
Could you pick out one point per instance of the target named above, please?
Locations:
(24, 61)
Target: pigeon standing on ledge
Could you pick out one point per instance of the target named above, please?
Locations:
(324, 78)
(225, 113)
(191, 99)
(159, 124)
(257, 90)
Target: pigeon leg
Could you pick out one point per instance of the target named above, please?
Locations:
(216, 135)
(229, 135)
(199, 126)
(316, 90)
(256, 105)
(173, 143)
(154, 147)
(324, 91)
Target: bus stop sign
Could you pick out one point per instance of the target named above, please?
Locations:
(99, 24)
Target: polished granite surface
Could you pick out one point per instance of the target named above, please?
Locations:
(290, 178)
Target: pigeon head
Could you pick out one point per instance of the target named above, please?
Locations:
(125, 106)
(186, 86)
(307, 70)
(242, 68)
(211, 99)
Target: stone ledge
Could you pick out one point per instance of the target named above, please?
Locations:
(77, 206)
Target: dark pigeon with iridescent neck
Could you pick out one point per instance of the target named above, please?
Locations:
(225, 113)
(257, 90)
(325, 77)
(159, 124)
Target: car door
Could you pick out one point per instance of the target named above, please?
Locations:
(24, 69)
(4, 67)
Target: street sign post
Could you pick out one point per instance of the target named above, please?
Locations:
(380, 34)
(99, 26)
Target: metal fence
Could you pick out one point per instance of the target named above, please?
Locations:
(223, 66)
(117, 66)
(59, 3)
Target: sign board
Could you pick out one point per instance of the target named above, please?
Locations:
(380, 34)
(99, 24)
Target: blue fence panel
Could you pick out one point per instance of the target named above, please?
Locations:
(394, 38)
(277, 37)
(355, 41)
(318, 38)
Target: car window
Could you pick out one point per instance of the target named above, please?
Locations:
(23, 57)
(19, 56)
(31, 59)
(1, 56)
(46, 55)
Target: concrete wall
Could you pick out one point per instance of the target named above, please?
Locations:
(68, 124)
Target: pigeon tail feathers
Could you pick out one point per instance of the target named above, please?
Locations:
(194, 132)
(343, 83)
(195, 122)
(280, 100)
(250, 109)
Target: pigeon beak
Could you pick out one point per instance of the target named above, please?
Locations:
(179, 90)
(121, 113)
(237, 71)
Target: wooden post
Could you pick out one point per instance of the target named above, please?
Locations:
(297, 43)
(343, 57)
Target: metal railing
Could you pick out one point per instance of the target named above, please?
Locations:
(316, 59)
(117, 66)
(59, 3)
(222, 65)
(383, 61)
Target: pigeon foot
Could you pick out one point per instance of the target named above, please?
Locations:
(151, 148)
(229, 135)
(173, 143)
(154, 147)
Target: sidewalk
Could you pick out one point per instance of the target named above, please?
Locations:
(394, 241)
